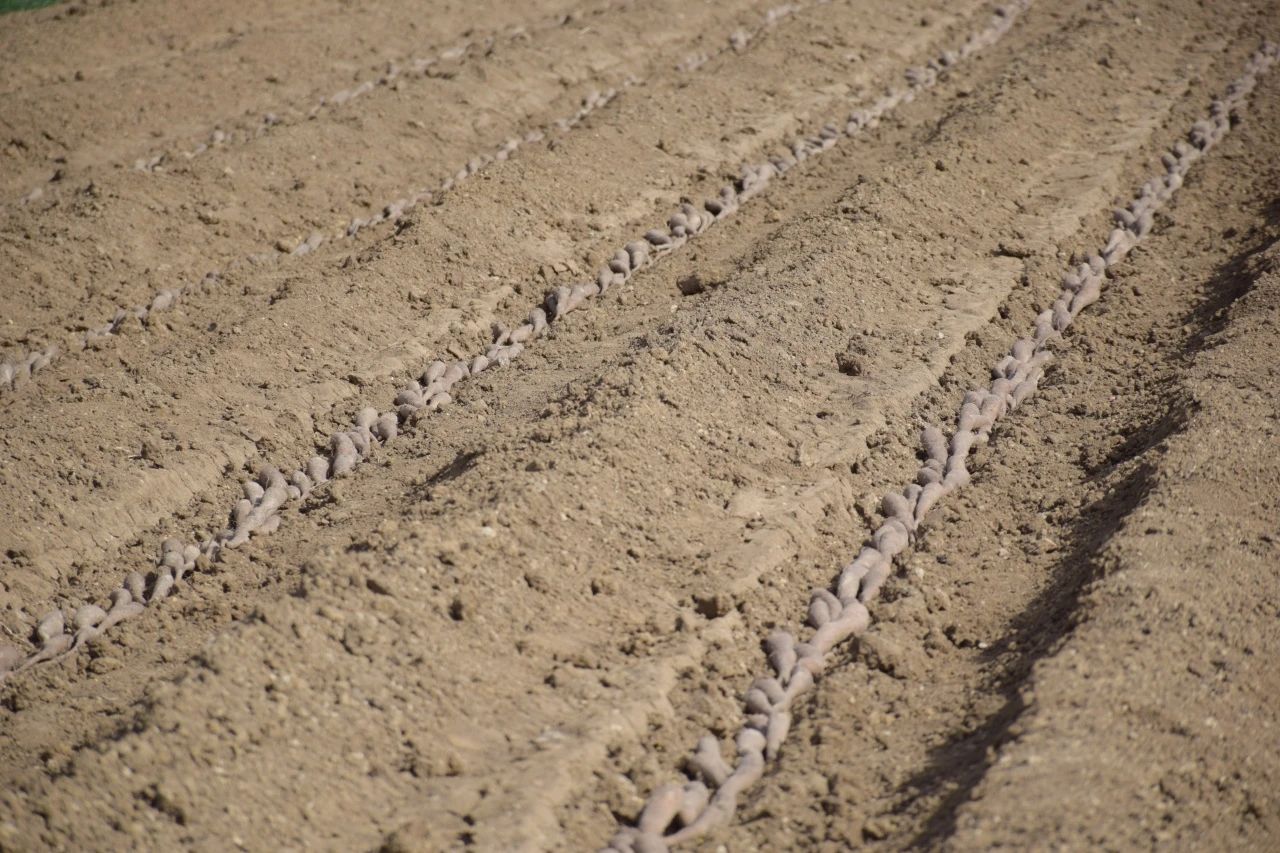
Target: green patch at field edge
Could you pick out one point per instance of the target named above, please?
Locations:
(20, 5)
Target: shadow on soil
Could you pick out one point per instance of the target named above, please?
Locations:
(958, 765)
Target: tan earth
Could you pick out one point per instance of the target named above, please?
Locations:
(515, 620)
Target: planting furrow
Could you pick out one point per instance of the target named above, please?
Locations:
(79, 112)
(210, 31)
(258, 512)
(681, 812)
(113, 477)
(127, 239)
(15, 372)
(553, 672)
(248, 665)
(440, 61)
(1029, 678)
(404, 549)
(1138, 720)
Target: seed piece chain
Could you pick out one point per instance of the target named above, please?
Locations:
(257, 513)
(16, 371)
(679, 812)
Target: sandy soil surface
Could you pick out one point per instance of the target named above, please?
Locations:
(500, 613)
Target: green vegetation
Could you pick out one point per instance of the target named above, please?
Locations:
(20, 5)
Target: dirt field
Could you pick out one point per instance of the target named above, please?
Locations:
(397, 453)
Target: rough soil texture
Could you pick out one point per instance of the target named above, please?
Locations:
(514, 622)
